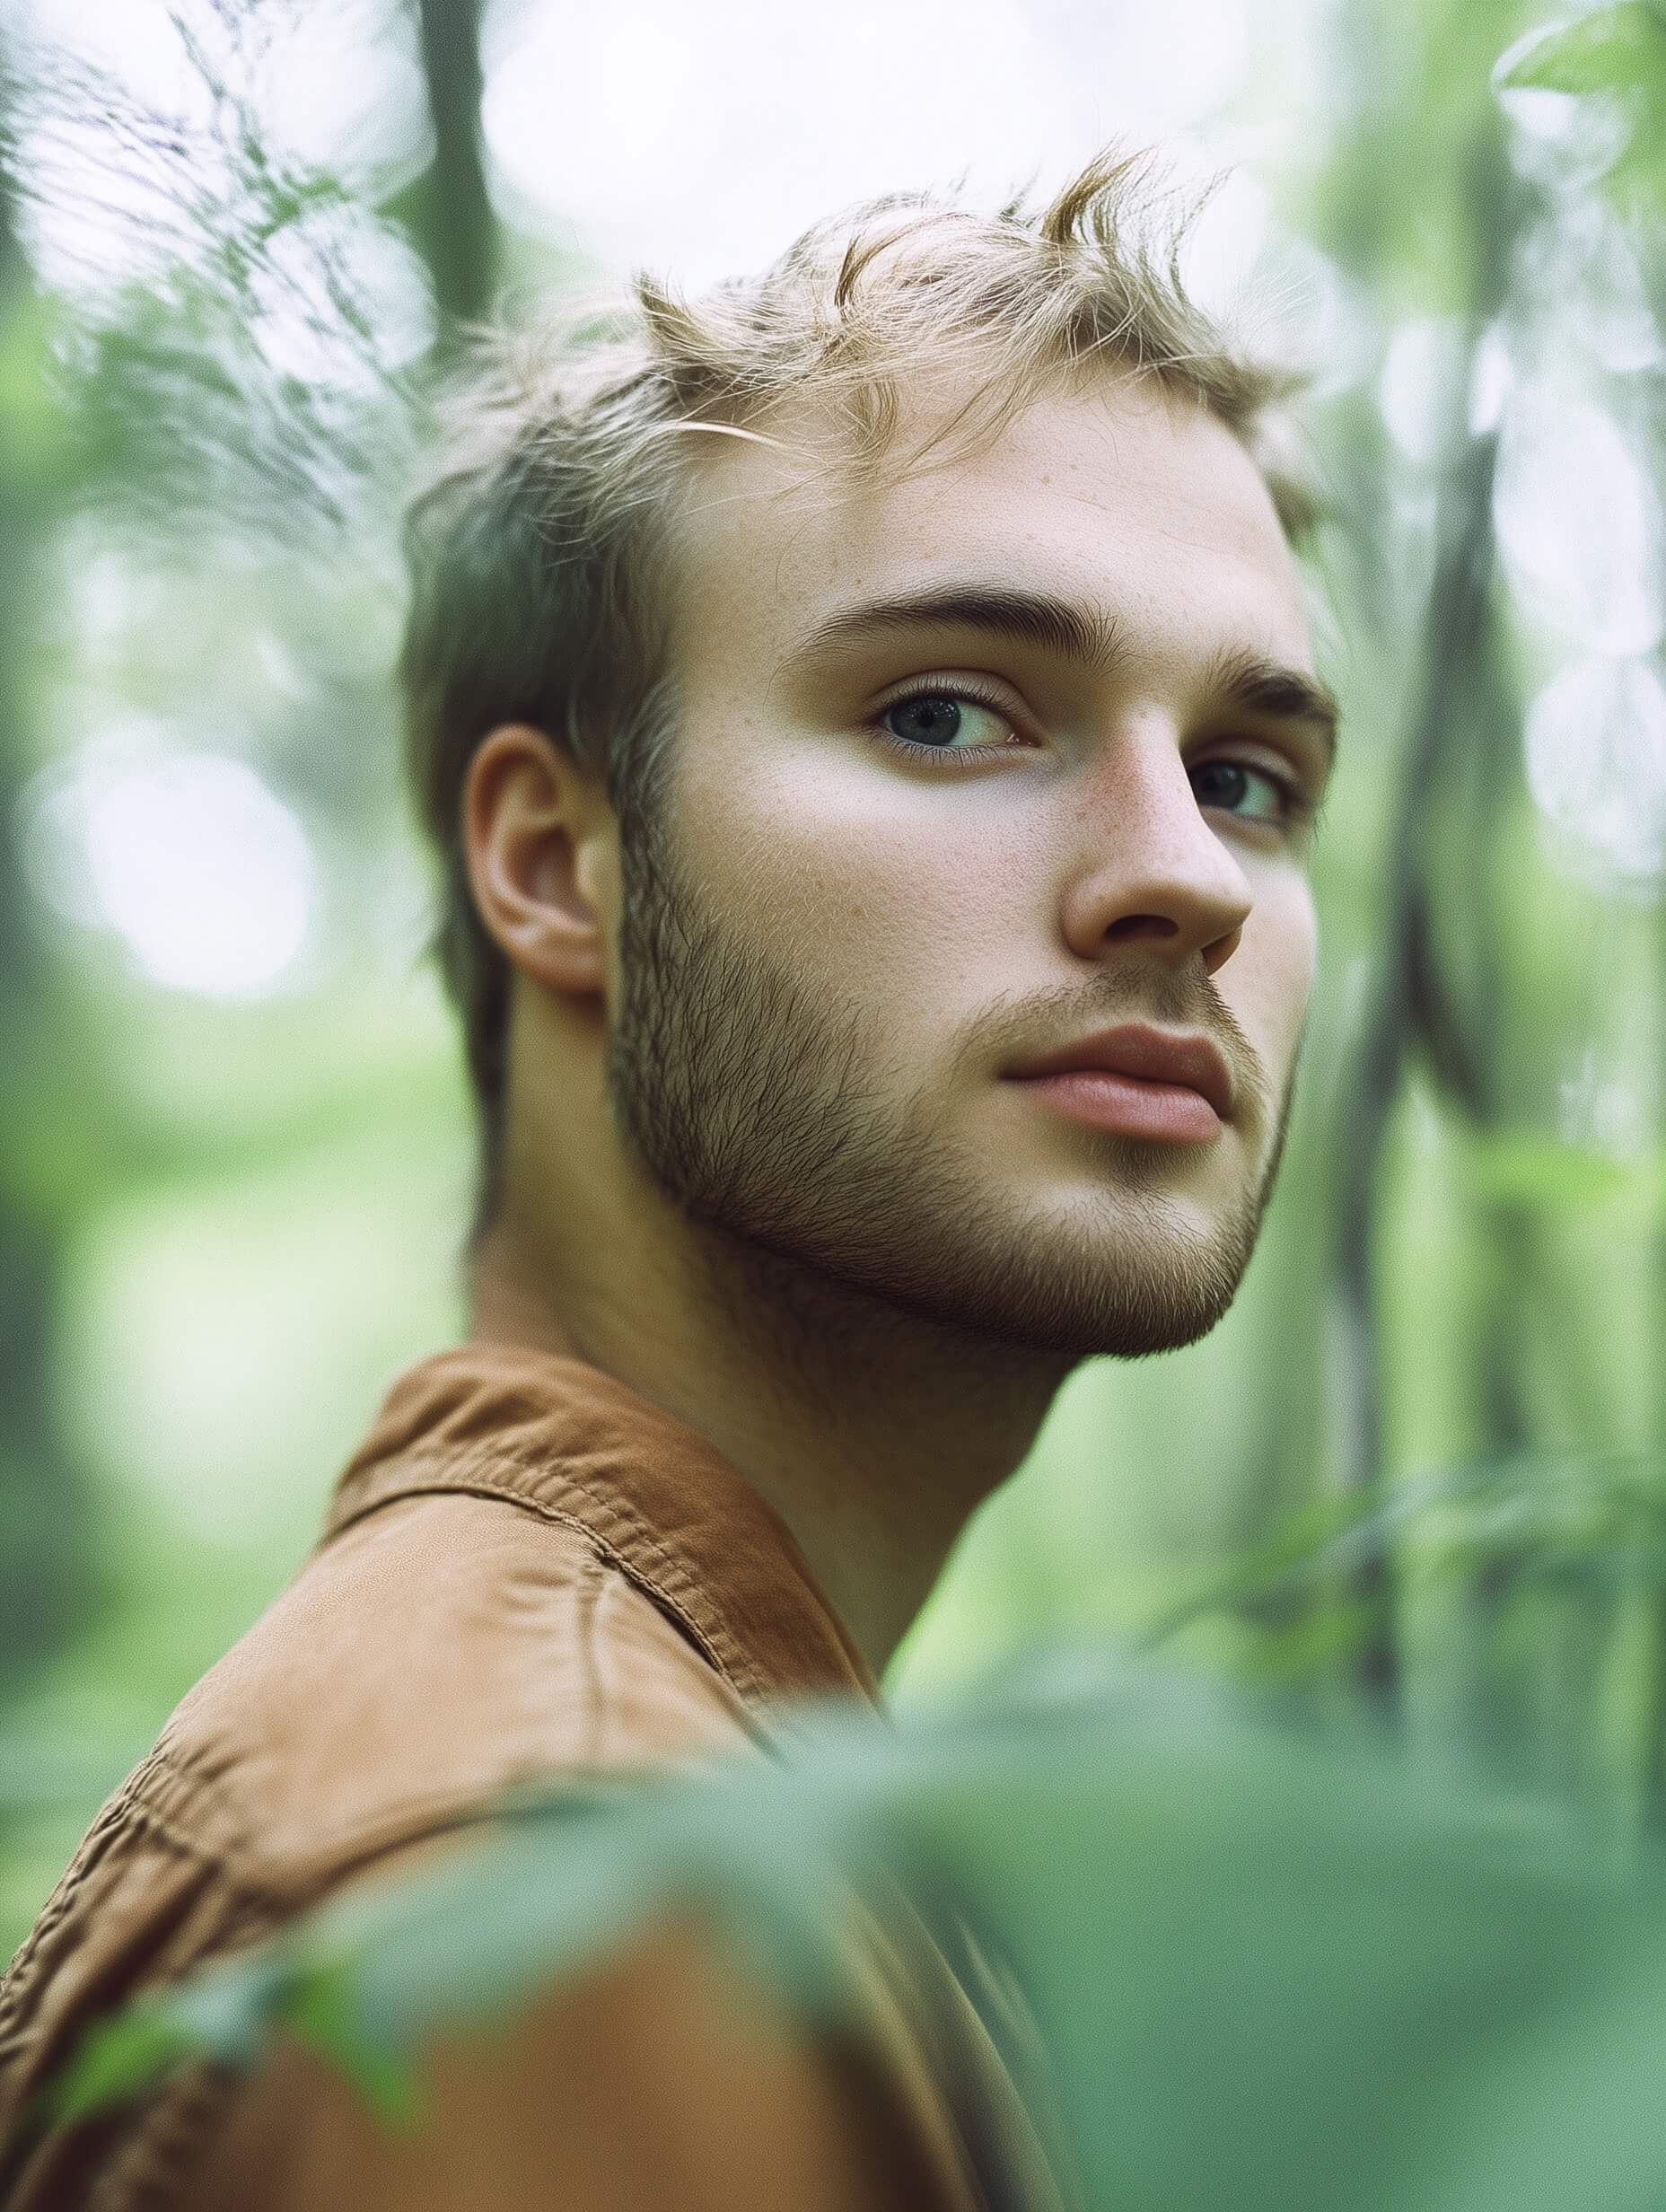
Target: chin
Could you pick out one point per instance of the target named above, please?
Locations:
(1140, 1324)
(1074, 1290)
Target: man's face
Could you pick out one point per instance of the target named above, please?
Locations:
(972, 766)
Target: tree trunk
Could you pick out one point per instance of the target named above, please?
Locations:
(1409, 1013)
(43, 1552)
(458, 231)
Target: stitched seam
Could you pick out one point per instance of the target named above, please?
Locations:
(347, 1847)
(675, 1587)
(231, 1869)
(20, 1975)
(488, 1457)
(130, 1812)
(270, 1899)
(585, 1643)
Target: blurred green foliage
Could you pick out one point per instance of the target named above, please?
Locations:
(1269, 1969)
(1617, 54)
(1419, 1468)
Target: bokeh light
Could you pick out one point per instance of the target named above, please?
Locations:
(191, 859)
(1596, 763)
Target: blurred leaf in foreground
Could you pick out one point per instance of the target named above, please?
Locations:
(1270, 1968)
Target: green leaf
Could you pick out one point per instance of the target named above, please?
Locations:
(222, 2013)
(1523, 1167)
(1616, 54)
(121, 2057)
(1616, 49)
(1267, 1965)
(326, 2009)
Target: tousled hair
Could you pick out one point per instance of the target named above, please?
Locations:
(541, 545)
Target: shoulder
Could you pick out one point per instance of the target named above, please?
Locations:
(443, 1651)
(440, 1653)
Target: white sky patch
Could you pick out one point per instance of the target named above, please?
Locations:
(1579, 522)
(189, 857)
(100, 214)
(205, 872)
(1596, 764)
(1152, 70)
(340, 300)
(342, 94)
(1580, 285)
(1300, 306)
(142, 45)
(1417, 390)
(1600, 1111)
(1492, 375)
(330, 87)
(703, 141)
(1224, 245)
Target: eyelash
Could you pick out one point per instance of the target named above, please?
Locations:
(1298, 807)
(963, 755)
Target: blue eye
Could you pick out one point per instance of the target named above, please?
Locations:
(944, 721)
(1252, 793)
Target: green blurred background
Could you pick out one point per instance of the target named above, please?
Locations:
(1420, 1462)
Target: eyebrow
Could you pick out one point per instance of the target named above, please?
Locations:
(1029, 618)
(1237, 675)
(1262, 686)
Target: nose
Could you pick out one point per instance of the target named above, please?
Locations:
(1149, 869)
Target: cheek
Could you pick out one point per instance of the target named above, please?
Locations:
(903, 893)
(1267, 981)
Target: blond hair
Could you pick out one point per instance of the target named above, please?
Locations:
(540, 547)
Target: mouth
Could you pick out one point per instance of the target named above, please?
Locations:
(1137, 1081)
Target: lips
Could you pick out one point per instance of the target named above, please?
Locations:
(1188, 1062)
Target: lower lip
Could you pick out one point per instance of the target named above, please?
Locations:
(1128, 1104)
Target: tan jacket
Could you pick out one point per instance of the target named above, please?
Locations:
(527, 1571)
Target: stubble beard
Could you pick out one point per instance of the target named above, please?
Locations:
(766, 1112)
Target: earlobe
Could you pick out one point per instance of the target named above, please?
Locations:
(533, 824)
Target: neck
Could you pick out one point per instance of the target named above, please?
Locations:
(873, 1431)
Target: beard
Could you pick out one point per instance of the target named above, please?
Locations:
(779, 1118)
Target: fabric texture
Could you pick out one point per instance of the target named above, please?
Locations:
(528, 1573)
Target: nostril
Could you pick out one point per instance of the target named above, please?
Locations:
(1217, 954)
(1143, 925)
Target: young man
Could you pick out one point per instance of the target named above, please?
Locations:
(867, 723)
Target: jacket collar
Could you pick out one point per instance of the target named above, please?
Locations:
(567, 1441)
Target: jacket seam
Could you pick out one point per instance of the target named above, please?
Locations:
(673, 1586)
(584, 1644)
(106, 1829)
(351, 1846)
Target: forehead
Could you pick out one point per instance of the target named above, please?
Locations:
(1135, 502)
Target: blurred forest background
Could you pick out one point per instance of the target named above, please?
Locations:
(1421, 1462)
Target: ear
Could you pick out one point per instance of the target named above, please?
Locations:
(542, 848)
